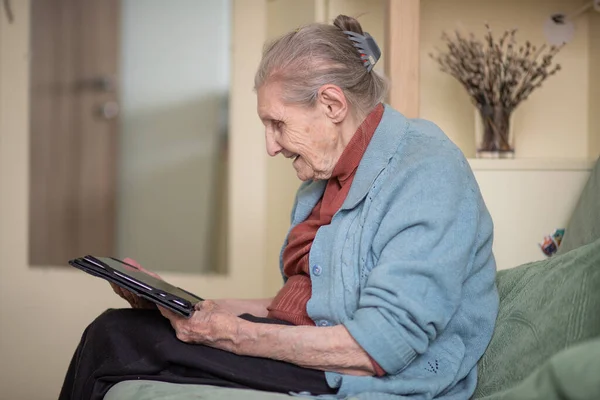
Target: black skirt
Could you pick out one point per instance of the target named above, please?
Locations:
(128, 344)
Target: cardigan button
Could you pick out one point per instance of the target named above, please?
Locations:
(324, 322)
(317, 270)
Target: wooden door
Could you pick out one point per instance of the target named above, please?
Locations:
(73, 125)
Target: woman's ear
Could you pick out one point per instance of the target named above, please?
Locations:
(334, 102)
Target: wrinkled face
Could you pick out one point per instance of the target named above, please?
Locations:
(305, 135)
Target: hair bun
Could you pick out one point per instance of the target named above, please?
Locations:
(346, 23)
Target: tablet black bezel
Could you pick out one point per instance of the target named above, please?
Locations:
(148, 288)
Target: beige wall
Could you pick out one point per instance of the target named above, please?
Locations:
(282, 182)
(370, 14)
(594, 83)
(516, 194)
(553, 122)
(44, 310)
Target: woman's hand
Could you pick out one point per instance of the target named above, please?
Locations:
(327, 349)
(134, 300)
(210, 325)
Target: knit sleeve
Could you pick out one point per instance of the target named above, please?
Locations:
(423, 249)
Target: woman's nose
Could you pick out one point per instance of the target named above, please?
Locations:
(273, 148)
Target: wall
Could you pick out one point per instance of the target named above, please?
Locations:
(544, 128)
(516, 194)
(282, 182)
(44, 310)
(594, 84)
(370, 14)
(174, 92)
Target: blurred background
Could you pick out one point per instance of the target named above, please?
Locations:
(128, 125)
(129, 128)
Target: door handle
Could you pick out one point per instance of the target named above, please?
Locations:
(109, 110)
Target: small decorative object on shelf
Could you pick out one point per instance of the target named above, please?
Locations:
(551, 243)
(498, 75)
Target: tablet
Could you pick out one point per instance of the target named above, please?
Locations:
(131, 278)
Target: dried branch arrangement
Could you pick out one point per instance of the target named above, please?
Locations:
(496, 73)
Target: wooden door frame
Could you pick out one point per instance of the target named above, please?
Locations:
(247, 157)
(402, 27)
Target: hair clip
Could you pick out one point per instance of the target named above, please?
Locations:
(367, 48)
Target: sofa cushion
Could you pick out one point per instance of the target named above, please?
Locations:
(154, 390)
(545, 307)
(584, 226)
(570, 374)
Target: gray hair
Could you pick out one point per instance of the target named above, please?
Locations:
(320, 54)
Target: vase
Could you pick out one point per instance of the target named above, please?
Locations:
(494, 133)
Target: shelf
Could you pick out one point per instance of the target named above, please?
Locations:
(532, 164)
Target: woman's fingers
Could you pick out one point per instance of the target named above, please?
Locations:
(134, 300)
(208, 324)
(124, 294)
(116, 289)
(136, 264)
(168, 314)
(131, 261)
(131, 298)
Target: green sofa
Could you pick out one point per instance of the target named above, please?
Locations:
(547, 340)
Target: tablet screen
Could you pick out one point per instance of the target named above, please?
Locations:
(142, 279)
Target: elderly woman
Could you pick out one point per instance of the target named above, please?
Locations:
(388, 267)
